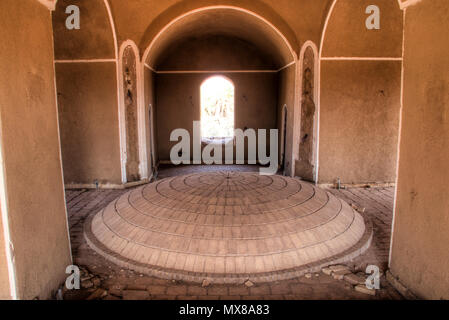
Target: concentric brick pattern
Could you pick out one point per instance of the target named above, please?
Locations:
(225, 224)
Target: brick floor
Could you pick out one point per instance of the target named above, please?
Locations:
(240, 224)
(122, 283)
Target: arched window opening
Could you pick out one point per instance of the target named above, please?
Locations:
(217, 109)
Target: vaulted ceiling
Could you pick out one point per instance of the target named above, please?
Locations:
(277, 27)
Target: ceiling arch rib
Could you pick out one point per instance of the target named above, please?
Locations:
(50, 4)
(231, 22)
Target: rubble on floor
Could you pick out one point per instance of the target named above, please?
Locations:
(354, 280)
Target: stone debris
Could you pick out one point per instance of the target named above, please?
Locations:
(249, 284)
(340, 274)
(354, 279)
(206, 283)
(86, 284)
(97, 294)
(308, 275)
(348, 287)
(327, 271)
(96, 281)
(363, 289)
(115, 292)
(339, 267)
(85, 274)
(87, 277)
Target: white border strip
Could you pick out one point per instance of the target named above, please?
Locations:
(216, 71)
(121, 108)
(404, 4)
(152, 138)
(112, 23)
(399, 142)
(6, 227)
(284, 135)
(141, 121)
(296, 114)
(60, 154)
(219, 71)
(149, 67)
(118, 74)
(50, 4)
(86, 61)
(361, 58)
(323, 35)
(286, 66)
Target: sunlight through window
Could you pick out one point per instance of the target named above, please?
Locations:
(217, 108)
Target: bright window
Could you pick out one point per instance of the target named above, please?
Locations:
(217, 108)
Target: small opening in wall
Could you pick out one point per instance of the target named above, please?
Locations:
(217, 109)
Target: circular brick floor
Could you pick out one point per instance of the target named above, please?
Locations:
(227, 227)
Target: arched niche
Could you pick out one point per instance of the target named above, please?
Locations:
(130, 116)
(226, 20)
(306, 165)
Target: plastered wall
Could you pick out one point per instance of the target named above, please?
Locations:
(151, 132)
(89, 122)
(94, 38)
(360, 94)
(346, 34)
(215, 52)
(178, 103)
(178, 94)
(420, 256)
(33, 184)
(286, 97)
(359, 121)
(372, 158)
(5, 292)
(87, 95)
